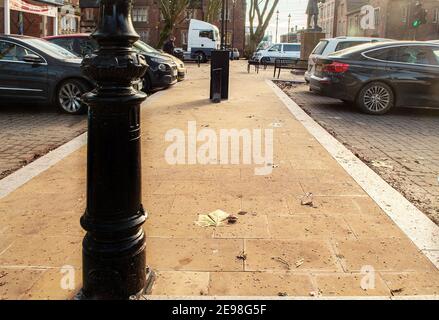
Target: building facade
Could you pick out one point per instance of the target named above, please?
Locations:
(30, 17)
(148, 21)
(391, 19)
(39, 18)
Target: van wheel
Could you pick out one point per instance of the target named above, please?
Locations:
(265, 60)
(68, 96)
(200, 55)
(376, 98)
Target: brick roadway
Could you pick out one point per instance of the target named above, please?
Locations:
(278, 247)
(28, 132)
(403, 146)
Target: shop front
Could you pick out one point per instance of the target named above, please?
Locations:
(30, 17)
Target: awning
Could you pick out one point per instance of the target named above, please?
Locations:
(89, 3)
(33, 7)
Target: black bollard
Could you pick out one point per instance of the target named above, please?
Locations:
(216, 85)
(114, 246)
(220, 60)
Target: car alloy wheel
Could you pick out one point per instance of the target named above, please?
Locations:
(376, 98)
(69, 97)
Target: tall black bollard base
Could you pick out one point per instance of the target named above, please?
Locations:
(216, 85)
(220, 60)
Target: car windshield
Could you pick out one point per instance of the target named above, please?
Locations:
(142, 46)
(49, 48)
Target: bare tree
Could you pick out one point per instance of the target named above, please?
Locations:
(172, 12)
(213, 10)
(260, 14)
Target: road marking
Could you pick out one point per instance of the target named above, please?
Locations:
(423, 232)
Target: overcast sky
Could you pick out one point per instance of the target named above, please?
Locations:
(297, 10)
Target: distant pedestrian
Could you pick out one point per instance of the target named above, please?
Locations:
(169, 45)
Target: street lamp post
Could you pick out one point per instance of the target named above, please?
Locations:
(277, 24)
(114, 247)
(233, 22)
(289, 30)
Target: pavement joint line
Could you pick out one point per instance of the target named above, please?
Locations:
(423, 232)
(18, 178)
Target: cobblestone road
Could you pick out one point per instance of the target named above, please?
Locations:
(403, 146)
(28, 132)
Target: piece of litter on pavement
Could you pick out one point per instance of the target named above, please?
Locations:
(381, 164)
(242, 256)
(232, 219)
(242, 213)
(307, 200)
(213, 219)
(284, 262)
(299, 262)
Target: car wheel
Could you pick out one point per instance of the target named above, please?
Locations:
(69, 96)
(200, 55)
(376, 98)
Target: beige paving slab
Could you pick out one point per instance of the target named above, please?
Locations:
(55, 284)
(166, 254)
(281, 255)
(412, 283)
(181, 283)
(382, 254)
(309, 227)
(44, 251)
(342, 284)
(13, 282)
(259, 284)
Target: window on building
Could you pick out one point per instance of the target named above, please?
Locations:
(89, 14)
(404, 14)
(144, 35)
(140, 14)
(189, 14)
(377, 17)
(184, 37)
(436, 15)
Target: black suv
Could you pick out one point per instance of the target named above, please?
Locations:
(162, 71)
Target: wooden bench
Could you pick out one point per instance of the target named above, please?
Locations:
(256, 64)
(289, 64)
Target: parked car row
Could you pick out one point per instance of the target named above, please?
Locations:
(48, 70)
(378, 75)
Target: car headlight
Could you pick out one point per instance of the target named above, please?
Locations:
(158, 60)
(162, 67)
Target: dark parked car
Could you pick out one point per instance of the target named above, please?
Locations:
(380, 76)
(162, 71)
(35, 70)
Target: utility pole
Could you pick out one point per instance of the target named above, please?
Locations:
(277, 24)
(233, 23)
(289, 30)
(223, 13)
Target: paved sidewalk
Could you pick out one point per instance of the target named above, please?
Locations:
(29, 131)
(402, 146)
(278, 248)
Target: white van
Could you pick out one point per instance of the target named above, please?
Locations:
(278, 50)
(327, 46)
(203, 38)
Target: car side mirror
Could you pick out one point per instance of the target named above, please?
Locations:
(32, 58)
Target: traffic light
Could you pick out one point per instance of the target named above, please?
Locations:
(419, 15)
